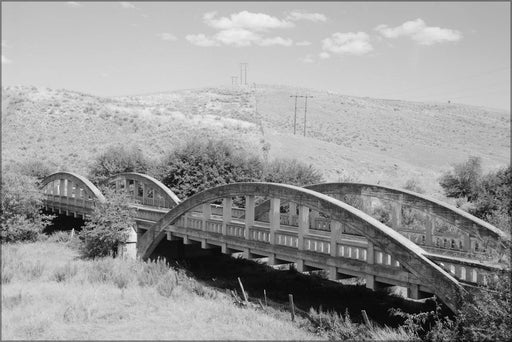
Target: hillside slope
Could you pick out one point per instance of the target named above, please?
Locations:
(371, 140)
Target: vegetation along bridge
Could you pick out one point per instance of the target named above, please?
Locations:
(426, 245)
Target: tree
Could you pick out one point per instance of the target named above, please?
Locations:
(463, 180)
(21, 216)
(203, 164)
(117, 159)
(108, 226)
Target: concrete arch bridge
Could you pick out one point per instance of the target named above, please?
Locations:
(425, 245)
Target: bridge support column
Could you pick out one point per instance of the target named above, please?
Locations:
(274, 218)
(224, 248)
(128, 250)
(227, 204)
(333, 273)
(249, 215)
(303, 225)
(271, 259)
(300, 265)
(413, 292)
(373, 284)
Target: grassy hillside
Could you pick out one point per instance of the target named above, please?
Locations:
(370, 140)
(49, 293)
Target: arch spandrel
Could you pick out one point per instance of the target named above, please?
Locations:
(410, 256)
(469, 223)
(77, 179)
(163, 190)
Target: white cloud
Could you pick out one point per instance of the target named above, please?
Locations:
(418, 31)
(303, 43)
(324, 55)
(74, 4)
(307, 59)
(237, 37)
(5, 60)
(201, 40)
(347, 43)
(167, 36)
(245, 20)
(275, 41)
(242, 29)
(127, 5)
(301, 15)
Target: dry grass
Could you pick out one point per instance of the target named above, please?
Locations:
(52, 294)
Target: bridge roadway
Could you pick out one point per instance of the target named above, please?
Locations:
(312, 229)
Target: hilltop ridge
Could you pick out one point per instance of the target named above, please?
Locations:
(347, 137)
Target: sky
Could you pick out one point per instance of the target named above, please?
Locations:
(418, 51)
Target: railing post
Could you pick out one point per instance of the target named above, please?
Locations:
(207, 214)
(274, 216)
(249, 215)
(303, 225)
(227, 204)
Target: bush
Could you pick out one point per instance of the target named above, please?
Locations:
(463, 180)
(117, 159)
(108, 226)
(203, 164)
(291, 171)
(413, 185)
(21, 217)
(33, 168)
(484, 316)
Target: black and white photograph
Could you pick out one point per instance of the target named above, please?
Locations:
(256, 170)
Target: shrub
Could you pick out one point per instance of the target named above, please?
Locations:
(291, 171)
(413, 185)
(66, 272)
(167, 283)
(108, 226)
(117, 159)
(203, 164)
(21, 217)
(463, 180)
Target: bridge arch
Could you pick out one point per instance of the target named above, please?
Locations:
(70, 192)
(410, 256)
(145, 189)
(463, 220)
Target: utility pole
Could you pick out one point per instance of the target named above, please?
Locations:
(242, 79)
(305, 111)
(233, 80)
(295, 114)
